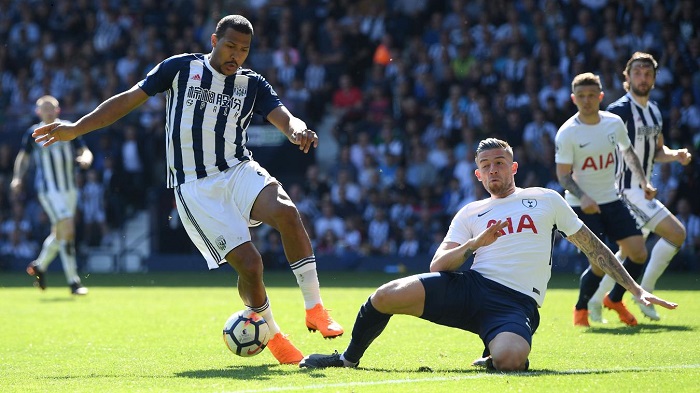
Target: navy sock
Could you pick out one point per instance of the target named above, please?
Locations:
(588, 286)
(635, 270)
(369, 324)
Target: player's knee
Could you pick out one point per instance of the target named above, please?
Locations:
(382, 297)
(286, 215)
(512, 360)
(248, 265)
(677, 236)
(639, 255)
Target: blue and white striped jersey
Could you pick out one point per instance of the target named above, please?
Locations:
(644, 124)
(55, 164)
(207, 114)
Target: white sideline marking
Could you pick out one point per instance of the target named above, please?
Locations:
(465, 377)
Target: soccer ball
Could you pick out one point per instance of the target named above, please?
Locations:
(246, 333)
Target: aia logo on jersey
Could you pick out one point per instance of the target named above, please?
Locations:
(525, 223)
(598, 163)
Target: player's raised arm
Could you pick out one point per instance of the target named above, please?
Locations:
(105, 114)
(600, 255)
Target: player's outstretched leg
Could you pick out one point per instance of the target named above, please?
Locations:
(317, 316)
(368, 325)
(281, 348)
(274, 207)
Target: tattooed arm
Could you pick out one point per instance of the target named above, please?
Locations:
(450, 255)
(600, 255)
(565, 177)
(635, 165)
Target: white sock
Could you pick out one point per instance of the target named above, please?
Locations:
(661, 256)
(266, 312)
(307, 278)
(70, 266)
(48, 252)
(606, 284)
(347, 362)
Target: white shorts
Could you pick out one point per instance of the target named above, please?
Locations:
(648, 213)
(58, 205)
(215, 210)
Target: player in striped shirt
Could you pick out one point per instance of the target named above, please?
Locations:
(55, 185)
(644, 127)
(586, 157)
(511, 236)
(220, 189)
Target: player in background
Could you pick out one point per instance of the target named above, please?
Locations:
(644, 127)
(586, 158)
(220, 190)
(57, 193)
(510, 235)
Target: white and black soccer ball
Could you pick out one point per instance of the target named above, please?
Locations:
(246, 333)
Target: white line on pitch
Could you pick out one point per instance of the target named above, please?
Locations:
(464, 377)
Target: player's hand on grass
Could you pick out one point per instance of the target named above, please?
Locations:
(647, 298)
(49, 134)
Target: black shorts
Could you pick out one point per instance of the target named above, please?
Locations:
(613, 223)
(468, 301)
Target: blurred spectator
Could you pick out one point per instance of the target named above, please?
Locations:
(378, 234)
(133, 160)
(347, 99)
(666, 184)
(691, 248)
(409, 246)
(327, 243)
(273, 253)
(92, 208)
(329, 221)
(419, 171)
(537, 131)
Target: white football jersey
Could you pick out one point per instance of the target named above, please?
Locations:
(522, 258)
(592, 152)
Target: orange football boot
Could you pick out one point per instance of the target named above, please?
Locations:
(625, 316)
(317, 318)
(283, 350)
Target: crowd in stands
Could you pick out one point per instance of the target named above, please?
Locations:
(411, 86)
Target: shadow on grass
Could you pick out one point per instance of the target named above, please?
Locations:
(58, 299)
(641, 328)
(261, 373)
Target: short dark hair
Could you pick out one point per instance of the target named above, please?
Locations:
(236, 22)
(586, 79)
(490, 144)
(644, 58)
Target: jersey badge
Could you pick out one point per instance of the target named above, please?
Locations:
(612, 139)
(530, 203)
(221, 242)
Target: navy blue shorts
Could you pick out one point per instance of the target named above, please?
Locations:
(613, 223)
(468, 301)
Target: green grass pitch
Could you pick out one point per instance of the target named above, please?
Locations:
(161, 332)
